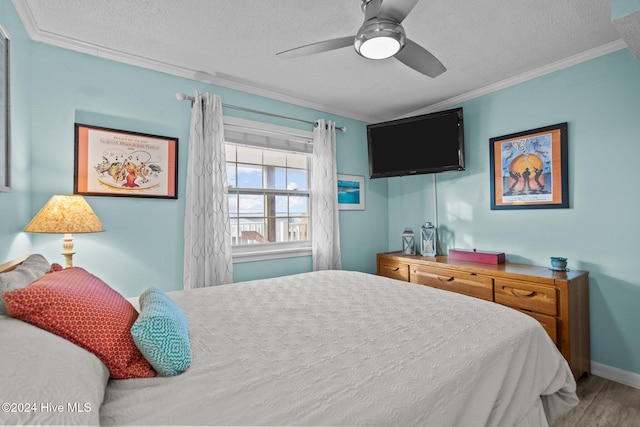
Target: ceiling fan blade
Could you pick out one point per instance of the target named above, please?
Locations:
(415, 56)
(396, 10)
(371, 10)
(318, 47)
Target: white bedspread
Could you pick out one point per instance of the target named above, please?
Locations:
(347, 348)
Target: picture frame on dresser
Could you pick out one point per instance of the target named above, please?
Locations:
(528, 170)
(5, 105)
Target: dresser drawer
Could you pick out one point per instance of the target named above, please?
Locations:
(526, 295)
(394, 270)
(454, 281)
(548, 323)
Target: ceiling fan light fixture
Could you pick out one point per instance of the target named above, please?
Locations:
(379, 47)
(379, 39)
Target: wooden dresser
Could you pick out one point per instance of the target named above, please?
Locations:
(559, 300)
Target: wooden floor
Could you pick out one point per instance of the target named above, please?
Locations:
(603, 403)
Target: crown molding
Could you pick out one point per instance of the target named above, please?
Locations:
(39, 35)
(521, 78)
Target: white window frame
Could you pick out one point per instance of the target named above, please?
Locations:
(269, 251)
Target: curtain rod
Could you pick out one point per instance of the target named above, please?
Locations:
(182, 97)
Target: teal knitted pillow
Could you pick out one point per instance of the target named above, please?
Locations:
(161, 333)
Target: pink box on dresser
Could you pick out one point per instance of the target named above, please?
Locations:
(473, 255)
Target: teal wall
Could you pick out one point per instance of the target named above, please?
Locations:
(600, 100)
(16, 205)
(620, 8)
(143, 242)
(145, 235)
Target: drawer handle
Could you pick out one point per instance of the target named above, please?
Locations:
(393, 268)
(523, 294)
(440, 278)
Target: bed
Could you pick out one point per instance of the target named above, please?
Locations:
(319, 348)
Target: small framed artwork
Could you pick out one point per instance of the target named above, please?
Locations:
(5, 119)
(111, 162)
(528, 170)
(350, 192)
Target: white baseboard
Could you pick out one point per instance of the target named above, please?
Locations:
(614, 374)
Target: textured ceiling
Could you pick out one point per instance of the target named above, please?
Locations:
(483, 45)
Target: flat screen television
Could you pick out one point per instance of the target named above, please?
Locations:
(428, 143)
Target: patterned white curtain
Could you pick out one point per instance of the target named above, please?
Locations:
(207, 232)
(324, 203)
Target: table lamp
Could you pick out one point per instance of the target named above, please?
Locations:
(65, 214)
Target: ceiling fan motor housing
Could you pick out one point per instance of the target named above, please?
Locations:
(379, 38)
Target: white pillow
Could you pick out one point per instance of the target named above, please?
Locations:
(31, 269)
(46, 379)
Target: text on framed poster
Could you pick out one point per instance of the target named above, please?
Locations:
(111, 162)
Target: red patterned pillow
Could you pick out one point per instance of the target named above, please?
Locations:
(80, 307)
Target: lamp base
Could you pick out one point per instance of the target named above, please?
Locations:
(67, 245)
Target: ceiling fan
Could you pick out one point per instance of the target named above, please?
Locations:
(381, 36)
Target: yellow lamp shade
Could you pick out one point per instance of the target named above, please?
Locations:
(65, 214)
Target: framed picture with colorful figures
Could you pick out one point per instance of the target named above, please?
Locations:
(112, 162)
(528, 170)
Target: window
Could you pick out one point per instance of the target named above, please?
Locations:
(268, 185)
